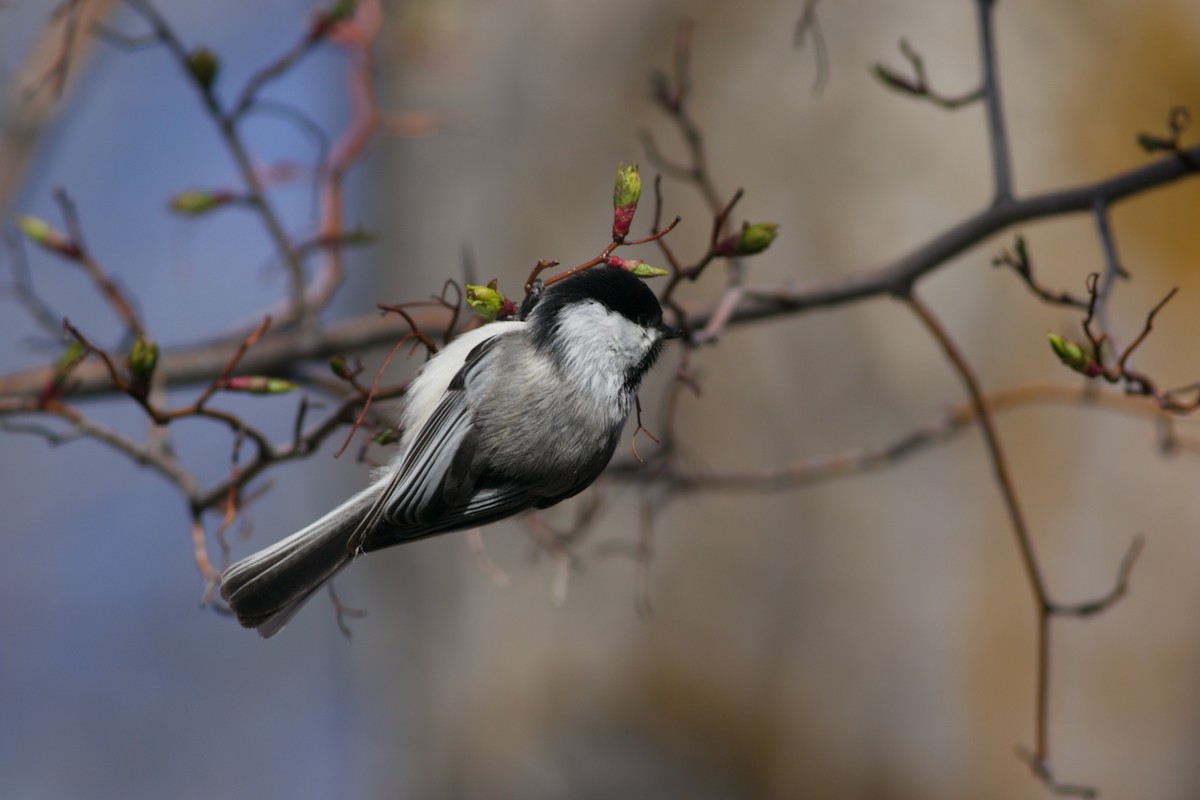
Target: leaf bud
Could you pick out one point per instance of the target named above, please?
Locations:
(635, 267)
(752, 239)
(203, 65)
(1072, 355)
(41, 233)
(142, 358)
(194, 202)
(486, 301)
(627, 190)
(257, 384)
(386, 437)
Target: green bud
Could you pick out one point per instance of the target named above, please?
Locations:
(38, 230)
(325, 20)
(41, 233)
(756, 238)
(258, 384)
(635, 267)
(72, 354)
(485, 301)
(1069, 353)
(194, 202)
(143, 358)
(203, 65)
(386, 437)
(644, 270)
(628, 188)
(339, 367)
(885, 75)
(1021, 250)
(626, 192)
(358, 236)
(1153, 144)
(343, 9)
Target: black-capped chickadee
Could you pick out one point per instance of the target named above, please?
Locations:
(507, 417)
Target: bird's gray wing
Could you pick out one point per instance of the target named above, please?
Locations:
(438, 472)
(483, 508)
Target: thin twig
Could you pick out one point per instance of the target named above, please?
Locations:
(1020, 262)
(227, 127)
(232, 362)
(49, 320)
(112, 293)
(808, 27)
(808, 471)
(1011, 503)
(342, 612)
(672, 95)
(918, 85)
(1119, 589)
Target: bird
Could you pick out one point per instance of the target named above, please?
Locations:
(511, 416)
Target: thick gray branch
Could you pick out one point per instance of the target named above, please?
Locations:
(279, 352)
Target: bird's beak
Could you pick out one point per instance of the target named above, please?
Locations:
(669, 332)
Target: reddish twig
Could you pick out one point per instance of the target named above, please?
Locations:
(637, 401)
(371, 395)
(343, 611)
(229, 367)
(538, 269)
(210, 575)
(1096, 363)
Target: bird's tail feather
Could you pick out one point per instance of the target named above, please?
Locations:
(266, 589)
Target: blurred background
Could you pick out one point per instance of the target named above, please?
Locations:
(868, 637)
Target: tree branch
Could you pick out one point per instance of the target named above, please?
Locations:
(896, 276)
(997, 130)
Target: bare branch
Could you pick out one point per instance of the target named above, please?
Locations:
(1118, 591)
(1018, 260)
(672, 95)
(918, 86)
(49, 320)
(109, 290)
(1016, 515)
(997, 129)
(227, 127)
(895, 277)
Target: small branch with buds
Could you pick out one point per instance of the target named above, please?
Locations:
(71, 247)
(627, 192)
(672, 95)
(918, 85)
(1017, 259)
(1092, 360)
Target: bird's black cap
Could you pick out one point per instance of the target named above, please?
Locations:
(615, 289)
